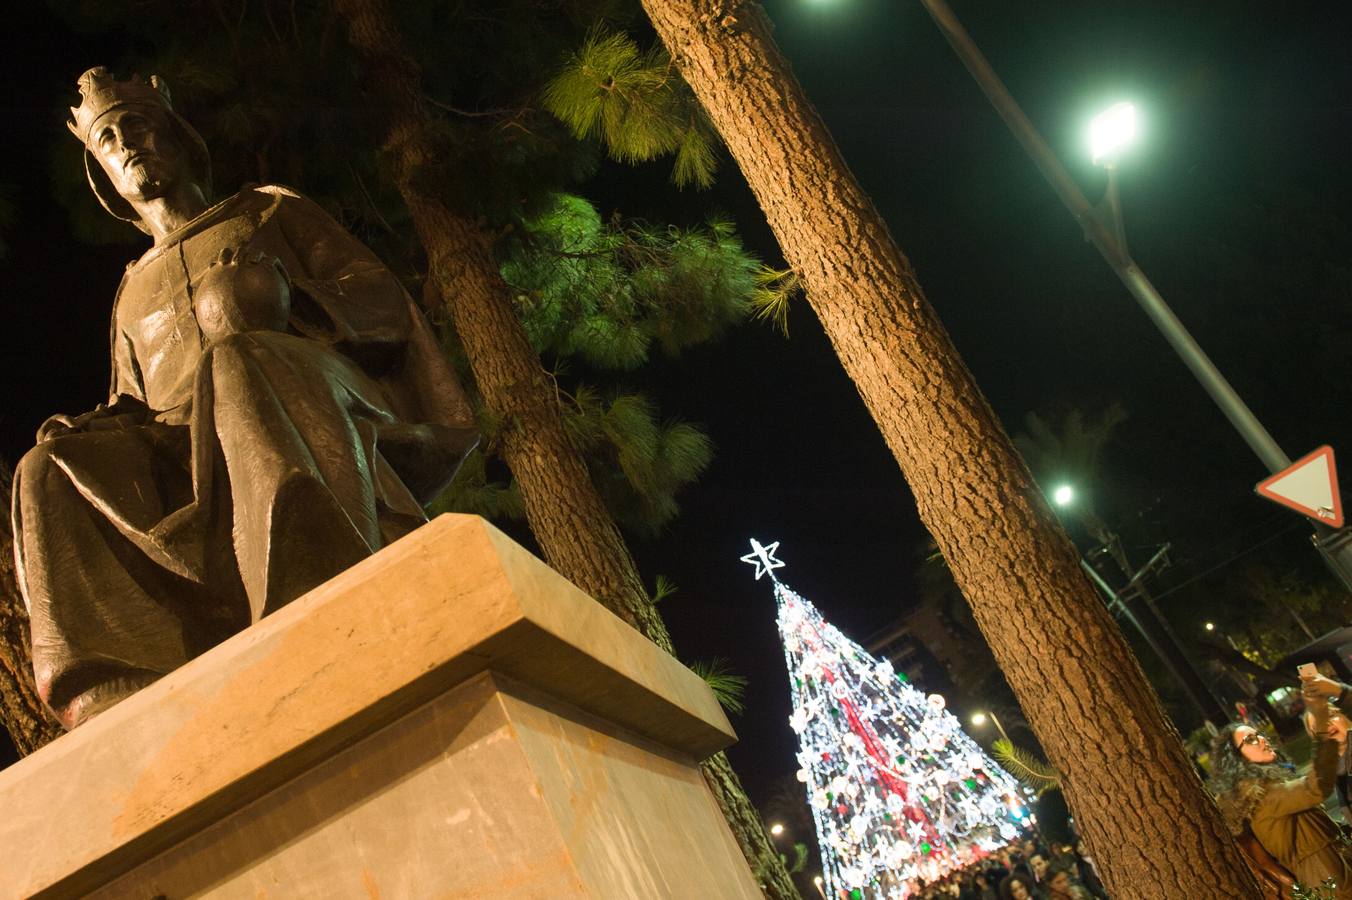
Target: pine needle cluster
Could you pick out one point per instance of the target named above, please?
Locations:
(730, 689)
(474, 490)
(637, 461)
(1026, 768)
(608, 292)
(633, 102)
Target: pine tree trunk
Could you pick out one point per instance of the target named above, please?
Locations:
(575, 531)
(22, 714)
(1135, 795)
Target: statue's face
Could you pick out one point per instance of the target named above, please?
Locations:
(139, 152)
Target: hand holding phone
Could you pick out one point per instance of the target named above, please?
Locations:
(1306, 671)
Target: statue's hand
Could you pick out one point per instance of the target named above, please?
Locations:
(124, 411)
(242, 290)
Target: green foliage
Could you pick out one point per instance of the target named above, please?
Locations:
(1326, 891)
(663, 588)
(633, 102)
(799, 859)
(1026, 768)
(730, 689)
(1265, 606)
(606, 292)
(775, 288)
(637, 462)
(472, 491)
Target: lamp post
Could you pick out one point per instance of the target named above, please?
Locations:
(979, 718)
(1335, 545)
(1134, 603)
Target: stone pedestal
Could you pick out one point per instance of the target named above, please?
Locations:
(450, 718)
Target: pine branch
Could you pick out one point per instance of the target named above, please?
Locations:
(635, 103)
(472, 113)
(1026, 768)
(663, 588)
(775, 288)
(730, 689)
(799, 859)
(695, 161)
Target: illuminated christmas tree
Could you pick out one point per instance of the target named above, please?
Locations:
(898, 791)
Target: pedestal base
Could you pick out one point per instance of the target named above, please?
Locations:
(448, 719)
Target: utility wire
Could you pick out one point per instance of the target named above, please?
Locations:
(1217, 548)
(1267, 540)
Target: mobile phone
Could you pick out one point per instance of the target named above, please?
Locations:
(1306, 670)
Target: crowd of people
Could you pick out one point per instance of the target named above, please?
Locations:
(1029, 870)
(1276, 812)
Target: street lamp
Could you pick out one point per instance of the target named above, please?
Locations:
(979, 719)
(1210, 626)
(1334, 545)
(1133, 602)
(777, 829)
(817, 883)
(1111, 132)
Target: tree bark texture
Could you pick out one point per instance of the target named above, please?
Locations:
(576, 532)
(1136, 798)
(23, 715)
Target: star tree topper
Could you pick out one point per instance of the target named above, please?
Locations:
(763, 558)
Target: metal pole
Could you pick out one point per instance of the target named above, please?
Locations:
(1335, 546)
(1098, 232)
(1000, 728)
(1193, 688)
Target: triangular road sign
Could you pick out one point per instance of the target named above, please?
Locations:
(1309, 486)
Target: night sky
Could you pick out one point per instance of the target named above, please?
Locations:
(1236, 205)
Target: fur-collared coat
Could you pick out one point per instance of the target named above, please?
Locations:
(1288, 818)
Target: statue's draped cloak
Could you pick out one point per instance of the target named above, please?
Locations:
(224, 479)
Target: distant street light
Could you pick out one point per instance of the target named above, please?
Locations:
(817, 883)
(979, 719)
(777, 829)
(1133, 602)
(1210, 626)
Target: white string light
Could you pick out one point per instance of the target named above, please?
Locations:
(897, 789)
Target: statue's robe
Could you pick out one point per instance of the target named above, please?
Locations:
(225, 479)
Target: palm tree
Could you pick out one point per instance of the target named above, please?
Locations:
(1088, 701)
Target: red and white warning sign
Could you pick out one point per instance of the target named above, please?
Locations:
(1310, 486)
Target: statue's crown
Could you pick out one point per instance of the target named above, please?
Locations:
(100, 92)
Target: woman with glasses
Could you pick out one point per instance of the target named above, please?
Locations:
(1260, 794)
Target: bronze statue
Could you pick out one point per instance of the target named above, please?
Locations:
(279, 411)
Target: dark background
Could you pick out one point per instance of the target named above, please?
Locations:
(1236, 205)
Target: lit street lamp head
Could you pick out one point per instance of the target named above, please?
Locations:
(978, 719)
(1063, 495)
(1111, 132)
